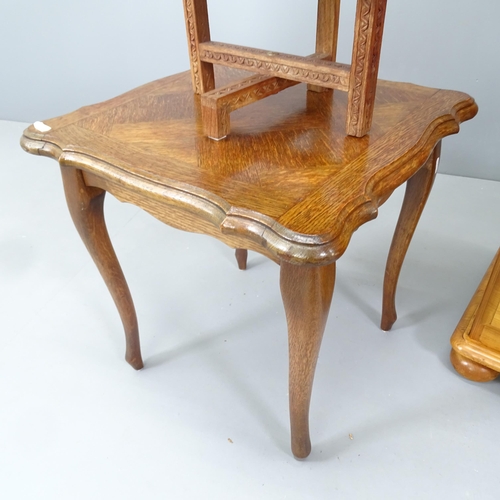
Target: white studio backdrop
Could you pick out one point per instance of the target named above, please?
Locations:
(57, 56)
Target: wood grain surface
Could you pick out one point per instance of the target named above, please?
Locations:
(307, 294)
(288, 182)
(86, 208)
(327, 32)
(418, 189)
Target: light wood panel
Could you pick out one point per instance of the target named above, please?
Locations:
(476, 341)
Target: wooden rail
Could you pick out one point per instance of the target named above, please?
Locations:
(328, 74)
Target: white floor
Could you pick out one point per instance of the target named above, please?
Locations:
(208, 418)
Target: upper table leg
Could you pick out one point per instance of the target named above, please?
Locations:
(307, 294)
(86, 208)
(418, 189)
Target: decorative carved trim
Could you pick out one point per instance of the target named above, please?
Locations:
(360, 58)
(225, 91)
(370, 17)
(377, 47)
(191, 29)
(272, 87)
(321, 75)
(283, 70)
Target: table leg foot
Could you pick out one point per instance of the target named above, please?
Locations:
(86, 208)
(307, 294)
(241, 258)
(470, 369)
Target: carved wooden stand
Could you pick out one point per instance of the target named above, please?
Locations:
(277, 71)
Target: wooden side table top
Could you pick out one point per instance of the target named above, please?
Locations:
(287, 182)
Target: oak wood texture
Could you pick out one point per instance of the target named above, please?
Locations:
(287, 183)
(418, 189)
(198, 31)
(475, 343)
(320, 73)
(218, 104)
(327, 33)
(370, 17)
(307, 293)
(86, 208)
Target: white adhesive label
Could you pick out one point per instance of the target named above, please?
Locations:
(41, 127)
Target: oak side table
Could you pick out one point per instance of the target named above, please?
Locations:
(287, 183)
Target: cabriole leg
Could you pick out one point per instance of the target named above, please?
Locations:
(307, 294)
(86, 208)
(418, 189)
